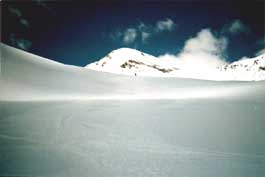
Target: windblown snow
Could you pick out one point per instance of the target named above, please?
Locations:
(61, 120)
(135, 63)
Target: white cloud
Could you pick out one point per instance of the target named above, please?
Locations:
(202, 51)
(142, 31)
(18, 14)
(24, 22)
(19, 42)
(165, 25)
(145, 31)
(44, 4)
(145, 36)
(199, 61)
(260, 52)
(14, 11)
(142, 27)
(116, 35)
(237, 27)
(205, 42)
(129, 35)
(24, 44)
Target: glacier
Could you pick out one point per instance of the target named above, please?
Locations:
(62, 120)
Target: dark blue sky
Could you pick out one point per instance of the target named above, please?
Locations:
(79, 33)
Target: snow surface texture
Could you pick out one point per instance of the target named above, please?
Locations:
(132, 62)
(59, 120)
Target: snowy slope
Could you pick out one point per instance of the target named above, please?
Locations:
(132, 62)
(60, 120)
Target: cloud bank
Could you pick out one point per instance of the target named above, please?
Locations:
(205, 50)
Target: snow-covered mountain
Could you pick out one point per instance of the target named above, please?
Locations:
(245, 69)
(132, 62)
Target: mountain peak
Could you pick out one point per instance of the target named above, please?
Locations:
(124, 49)
(129, 61)
(126, 53)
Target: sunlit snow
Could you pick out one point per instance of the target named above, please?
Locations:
(60, 120)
